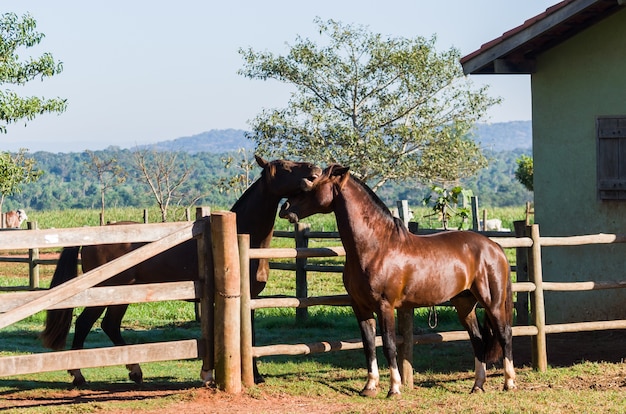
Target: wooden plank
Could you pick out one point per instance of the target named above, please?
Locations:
(584, 239)
(342, 345)
(585, 326)
(293, 253)
(110, 295)
(95, 276)
(99, 357)
(582, 286)
(292, 302)
(80, 236)
(511, 242)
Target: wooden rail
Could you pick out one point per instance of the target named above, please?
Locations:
(532, 243)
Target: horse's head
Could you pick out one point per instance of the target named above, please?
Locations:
(285, 178)
(319, 196)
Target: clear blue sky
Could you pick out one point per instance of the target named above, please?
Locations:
(139, 72)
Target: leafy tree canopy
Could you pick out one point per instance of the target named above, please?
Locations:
(390, 108)
(525, 171)
(16, 34)
(16, 171)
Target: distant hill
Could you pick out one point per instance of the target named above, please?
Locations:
(505, 136)
(215, 141)
(502, 136)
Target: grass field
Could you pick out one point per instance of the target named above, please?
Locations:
(325, 383)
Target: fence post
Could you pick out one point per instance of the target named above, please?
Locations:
(247, 360)
(403, 211)
(540, 358)
(33, 261)
(521, 266)
(475, 222)
(227, 301)
(302, 287)
(145, 215)
(405, 350)
(207, 295)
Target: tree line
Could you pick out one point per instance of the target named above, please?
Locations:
(67, 182)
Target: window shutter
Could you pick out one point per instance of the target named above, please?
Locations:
(611, 132)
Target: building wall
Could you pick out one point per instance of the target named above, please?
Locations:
(575, 82)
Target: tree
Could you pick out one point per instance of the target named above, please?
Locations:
(17, 33)
(242, 177)
(443, 205)
(524, 171)
(108, 173)
(16, 170)
(390, 108)
(164, 175)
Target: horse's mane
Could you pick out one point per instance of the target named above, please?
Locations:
(379, 203)
(246, 194)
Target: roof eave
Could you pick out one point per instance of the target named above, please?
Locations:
(514, 52)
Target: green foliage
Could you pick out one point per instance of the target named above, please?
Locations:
(108, 173)
(390, 108)
(15, 34)
(445, 205)
(16, 171)
(525, 172)
(241, 178)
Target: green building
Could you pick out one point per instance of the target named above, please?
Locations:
(575, 54)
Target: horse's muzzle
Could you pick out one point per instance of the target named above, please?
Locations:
(286, 214)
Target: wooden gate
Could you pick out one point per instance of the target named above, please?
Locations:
(81, 292)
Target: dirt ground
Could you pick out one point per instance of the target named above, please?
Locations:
(607, 346)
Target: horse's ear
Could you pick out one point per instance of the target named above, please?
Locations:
(262, 163)
(336, 169)
(344, 179)
(266, 165)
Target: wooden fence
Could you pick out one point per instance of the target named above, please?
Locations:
(529, 242)
(81, 292)
(224, 294)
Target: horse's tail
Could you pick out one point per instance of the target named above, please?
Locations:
(58, 321)
(493, 346)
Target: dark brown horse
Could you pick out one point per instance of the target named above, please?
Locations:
(387, 268)
(256, 212)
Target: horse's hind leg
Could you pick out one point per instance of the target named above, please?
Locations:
(83, 325)
(111, 325)
(466, 309)
(504, 334)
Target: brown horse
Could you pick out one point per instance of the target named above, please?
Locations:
(256, 212)
(387, 267)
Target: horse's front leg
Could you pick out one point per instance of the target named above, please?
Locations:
(368, 335)
(387, 323)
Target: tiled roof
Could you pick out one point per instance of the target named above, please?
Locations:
(514, 51)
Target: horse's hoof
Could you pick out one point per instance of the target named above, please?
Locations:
(477, 390)
(509, 387)
(137, 377)
(394, 395)
(79, 382)
(369, 392)
(207, 378)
